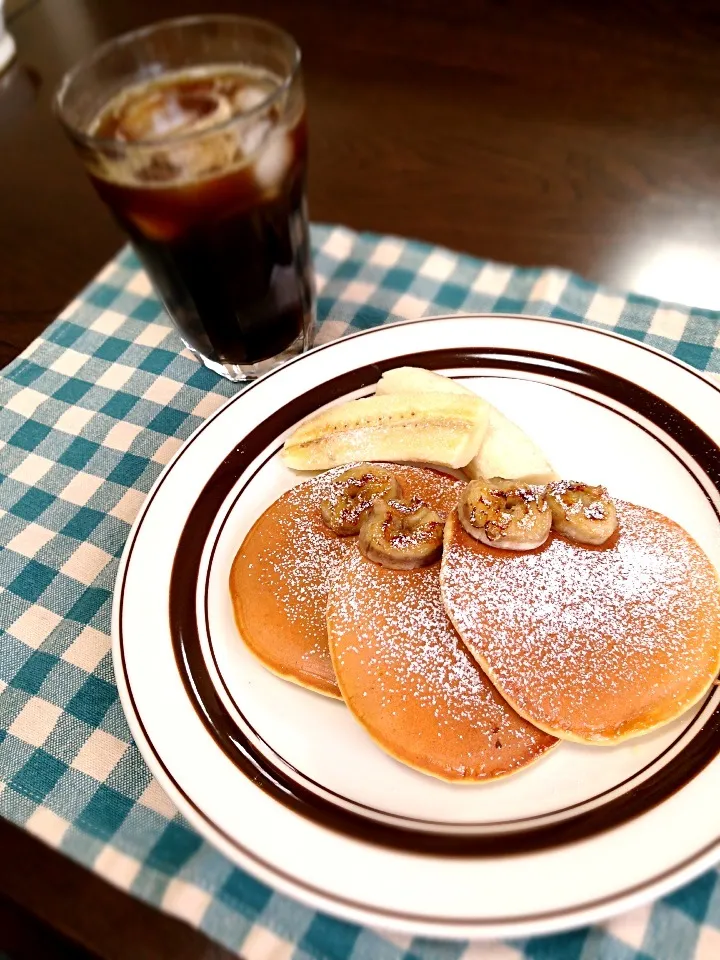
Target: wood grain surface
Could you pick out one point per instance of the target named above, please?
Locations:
(584, 135)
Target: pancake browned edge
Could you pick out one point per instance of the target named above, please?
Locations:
(279, 578)
(408, 678)
(592, 644)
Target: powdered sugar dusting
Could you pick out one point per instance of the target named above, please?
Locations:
(303, 552)
(283, 568)
(411, 681)
(279, 585)
(591, 641)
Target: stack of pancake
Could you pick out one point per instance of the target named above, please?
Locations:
(472, 667)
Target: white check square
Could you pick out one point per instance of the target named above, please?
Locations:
(263, 944)
(74, 420)
(69, 362)
(34, 626)
(85, 563)
(386, 253)
(82, 488)
(162, 390)
(47, 825)
(668, 323)
(357, 291)
(108, 322)
(708, 944)
(35, 722)
(186, 900)
(32, 469)
(332, 330)
(156, 799)
(605, 309)
(117, 867)
(128, 506)
(339, 244)
(409, 307)
(88, 649)
(492, 279)
(26, 401)
(490, 951)
(630, 927)
(438, 266)
(140, 284)
(121, 435)
(71, 309)
(108, 271)
(152, 335)
(99, 755)
(116, 376)
(549, 287)
(209, 404)
(167, 450)
(30, 540)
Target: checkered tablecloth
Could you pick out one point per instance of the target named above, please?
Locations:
(91, 412)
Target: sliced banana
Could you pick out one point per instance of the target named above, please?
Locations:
(505, 451)
(505, 514)
(402, 534)
(583, 513)
(353, 493)
(420, 427)
(417, 380)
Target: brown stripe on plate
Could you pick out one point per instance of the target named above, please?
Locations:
(458, 828)
(294, 794)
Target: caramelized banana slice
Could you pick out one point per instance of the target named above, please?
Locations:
(505, 513)
(353, 493)
(583, 513)
(402, 534)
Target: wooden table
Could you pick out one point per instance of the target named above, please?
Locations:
(581, 135)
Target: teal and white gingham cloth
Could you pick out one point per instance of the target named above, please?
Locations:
(91, 412)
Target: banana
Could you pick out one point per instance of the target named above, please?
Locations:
(583, 513)
(353, 493)
(506, 451)
(505, 514)
(402, 534)
(417, 380)
(420, 427)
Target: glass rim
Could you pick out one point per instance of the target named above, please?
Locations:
(130, 36)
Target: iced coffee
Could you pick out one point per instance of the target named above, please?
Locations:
(204, 166)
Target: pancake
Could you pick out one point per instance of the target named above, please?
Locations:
(407, 677)
(593, 644)
(279, 578)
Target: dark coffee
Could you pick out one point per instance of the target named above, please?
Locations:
(212, 194)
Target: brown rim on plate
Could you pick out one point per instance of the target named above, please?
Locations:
(462, 828)
(700, 751)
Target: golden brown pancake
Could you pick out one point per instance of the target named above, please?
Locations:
(595, 644)
(279, 578)
(410, 681)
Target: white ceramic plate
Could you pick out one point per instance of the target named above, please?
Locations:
(286, 784)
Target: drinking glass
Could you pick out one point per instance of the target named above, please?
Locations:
(193, 132)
